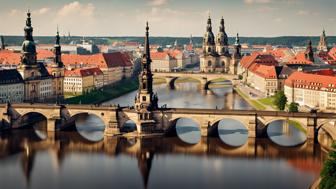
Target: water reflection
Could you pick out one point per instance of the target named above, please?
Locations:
(232, 132)
(90, 127)
(188, 130)
(70, 161)
(188, 95)
(285, 133)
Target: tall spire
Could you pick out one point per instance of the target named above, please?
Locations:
(28, 28)
(237, 40)
(323, 45)
(191, 39)
(57, 50)
(209, 26)
(222, 27)
(28, 45)
(237, 47)
(2, 41)
(309, 52)
(147, 48)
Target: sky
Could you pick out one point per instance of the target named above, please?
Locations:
(176, 18)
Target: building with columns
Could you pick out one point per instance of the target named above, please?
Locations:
(216, 56)
(146, 101)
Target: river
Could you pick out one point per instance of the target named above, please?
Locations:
(33, 158)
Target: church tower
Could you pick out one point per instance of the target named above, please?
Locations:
(209, 40)
(323, 45)
(236, 56)
(2, 41)
(57, 70)
(28, 58)
(309, 54)
(209, 58)
(222, 40)
(145, 100)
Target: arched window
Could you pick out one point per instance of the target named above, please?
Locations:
(209, 49)
(223, 63)
(144, 85)
(209, 63)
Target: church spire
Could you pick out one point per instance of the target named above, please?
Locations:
(222, 27)
(28, 28)
(28, 46)
(309, 52)
(147, 48)
(323, 45)
(57, 50)
(2, 41)
(209, 25)
(237, 47)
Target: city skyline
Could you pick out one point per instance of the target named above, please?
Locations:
(115, 18)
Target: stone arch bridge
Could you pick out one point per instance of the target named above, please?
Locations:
(114, 118)
(204, 78)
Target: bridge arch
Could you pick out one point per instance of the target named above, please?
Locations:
(232, 132)
(171, 130)
(76, 116)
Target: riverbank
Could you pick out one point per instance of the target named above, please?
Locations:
(106, 93)
(254, 103)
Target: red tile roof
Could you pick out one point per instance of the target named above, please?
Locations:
(160, 55)
(9, 57)
(258, 58)
(332, 53)
(300, 58)
(101, 60)
(325, 56)
(312, 81)
(82, 72)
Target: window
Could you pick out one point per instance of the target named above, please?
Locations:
(144, 85)
(143, 98)
(209, 63)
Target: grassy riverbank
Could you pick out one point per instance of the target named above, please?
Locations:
(105, 94)
(297, 125)
(254, 103)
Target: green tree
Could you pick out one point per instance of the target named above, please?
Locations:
(280, 100)
(293, 107)
(328, 173)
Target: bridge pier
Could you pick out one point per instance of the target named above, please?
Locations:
(312, 129)
(51, 125)
(252, 125)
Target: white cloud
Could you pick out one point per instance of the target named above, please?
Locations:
(302, 12)
(278, 19)
(14, 12)
(257, 1)
(41, 11)
(77, 9)
(157, 2)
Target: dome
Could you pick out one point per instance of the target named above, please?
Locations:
(29, 47)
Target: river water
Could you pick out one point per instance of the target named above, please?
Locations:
(33, 158)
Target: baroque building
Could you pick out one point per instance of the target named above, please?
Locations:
(39, 84)
(216, 56)
(146, 101)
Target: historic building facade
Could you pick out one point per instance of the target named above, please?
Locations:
(216, 56)
(146, 101)
(40, 86)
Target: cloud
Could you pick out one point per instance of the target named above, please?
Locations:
(257, 1)
(157, 2)
(14, 12)
(77, 9)
(278, 19)
(302, 12)
(41, 11)
(266, 9)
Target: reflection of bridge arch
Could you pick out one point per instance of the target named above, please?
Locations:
(172, 125)
(213, 130)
